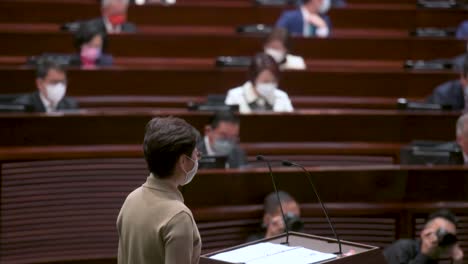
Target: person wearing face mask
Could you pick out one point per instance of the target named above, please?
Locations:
(222, 139)
(273, 223)
(309, 20)
(114, 17)
(453, 93)
(260, 93)
(90, 42)
(154, 225)
(277, 46)
(51, 82)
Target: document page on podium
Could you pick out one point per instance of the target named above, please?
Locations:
(269, 253)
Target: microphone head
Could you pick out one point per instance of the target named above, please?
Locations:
(260, 158)
(287, 163)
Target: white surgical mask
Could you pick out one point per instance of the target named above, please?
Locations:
(326, 4)
(56, 92)
(223, 146)
(276, 54)
(267, 90)
(189, 175)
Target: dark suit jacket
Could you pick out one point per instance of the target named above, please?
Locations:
(127, 27)
(34, 103)
(449, 93)
(293, 21)
(236, 159)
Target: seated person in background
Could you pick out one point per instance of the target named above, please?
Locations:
(114, 17)
(277, 46)
(90, 42)
(462, 135)
(428, 248)
(273, 223)
(51, 82)
(306, 21)
(222, 138)
(462, 30)
(453, 93)
(260, 92)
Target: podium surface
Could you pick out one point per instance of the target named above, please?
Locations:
(363, 253)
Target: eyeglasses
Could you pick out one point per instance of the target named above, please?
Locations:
(198, 154)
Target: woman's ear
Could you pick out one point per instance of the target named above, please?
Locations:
(266, 219)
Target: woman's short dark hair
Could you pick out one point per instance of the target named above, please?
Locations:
(86, 32)
(280, 34)
(166, 139)
(261, 62)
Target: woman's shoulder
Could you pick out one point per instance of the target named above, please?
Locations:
(295, 62)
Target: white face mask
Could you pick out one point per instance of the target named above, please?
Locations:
(279, 56)
(189, 175)
(56, 92)
(223, 146)
(326, 4)
(267, 90)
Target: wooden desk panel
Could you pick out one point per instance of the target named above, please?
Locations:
(200, 82)
(64, 210)
(401, 16)
(127, 126)
(201, 46)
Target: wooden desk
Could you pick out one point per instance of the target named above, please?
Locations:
(400, 16)
(66, 210)
(329, 125)
(390, 84)
(202, 46)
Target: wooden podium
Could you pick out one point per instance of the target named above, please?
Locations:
(364, 253)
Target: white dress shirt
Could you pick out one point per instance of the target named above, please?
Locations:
(245, 94)
(47, 104)
(209, 150)
(293, 62)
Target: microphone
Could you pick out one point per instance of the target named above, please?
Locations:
(262, 158)
(324, 209)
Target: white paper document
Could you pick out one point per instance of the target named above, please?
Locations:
(269, 253)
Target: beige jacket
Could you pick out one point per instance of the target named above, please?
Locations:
(155, 226)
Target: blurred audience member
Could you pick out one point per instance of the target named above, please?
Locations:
(437, 240)
(222, 139)
(462, 135)
(273, 223)
(51, 82)
(114, 17)
(90, 42)
(307, 21)
(260, 92)
(277, 45)
(462, 30)
(453, 93)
